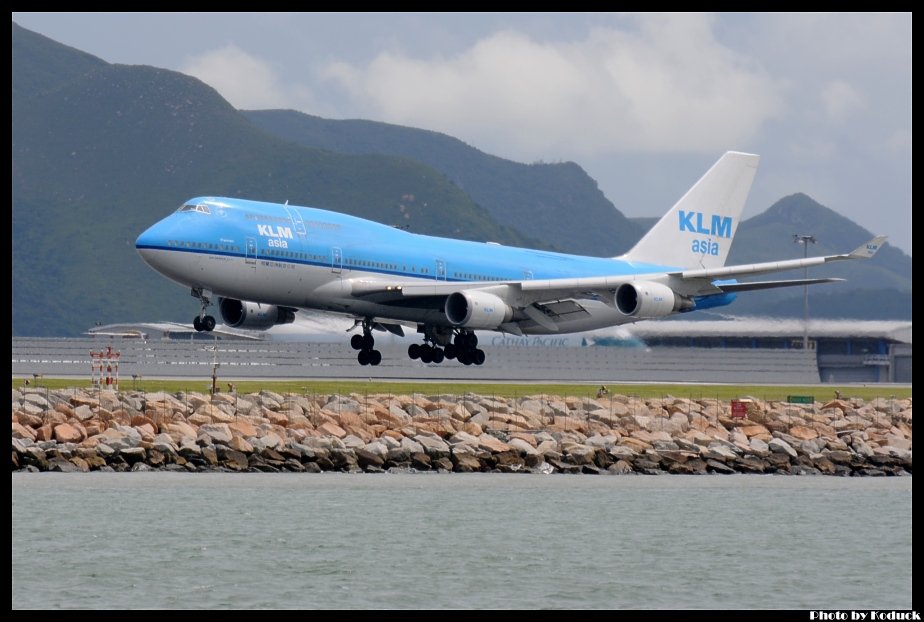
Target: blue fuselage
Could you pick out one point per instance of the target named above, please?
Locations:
(310, 258)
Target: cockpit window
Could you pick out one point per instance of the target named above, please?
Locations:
(202, 208)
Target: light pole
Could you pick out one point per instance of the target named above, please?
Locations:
(804, 240)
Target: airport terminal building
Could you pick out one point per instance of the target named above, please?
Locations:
(846, 351)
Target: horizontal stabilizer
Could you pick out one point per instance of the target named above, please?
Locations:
(755, 285)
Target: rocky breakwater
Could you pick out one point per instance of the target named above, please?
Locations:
(76, 430)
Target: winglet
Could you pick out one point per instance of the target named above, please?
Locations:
(865, 251)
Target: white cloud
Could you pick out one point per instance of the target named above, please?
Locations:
(840, 100)
(666, 84)
(244, 80)
(859, 43)
(808, 149)
(899, 142)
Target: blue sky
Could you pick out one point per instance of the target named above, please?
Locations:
(645, 103)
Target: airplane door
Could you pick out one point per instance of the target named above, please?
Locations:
(440, 270)
(250, 252)
(336, 260)
(527, 275)
(296, 219)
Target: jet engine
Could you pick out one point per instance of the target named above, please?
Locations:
(243, 314)
(645, 300)
(474, 309)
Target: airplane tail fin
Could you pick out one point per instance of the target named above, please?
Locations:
(698, 231)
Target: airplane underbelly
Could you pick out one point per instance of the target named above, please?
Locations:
(178, 266)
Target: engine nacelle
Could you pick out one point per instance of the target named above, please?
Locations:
(645, 300)
(474, 309)
(243, 314)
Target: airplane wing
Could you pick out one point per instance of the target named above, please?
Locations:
(864, 251)
(544, 301)
(702, 281)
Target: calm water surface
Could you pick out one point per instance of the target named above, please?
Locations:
(128, 540)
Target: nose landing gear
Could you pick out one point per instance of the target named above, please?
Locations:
(203, 322)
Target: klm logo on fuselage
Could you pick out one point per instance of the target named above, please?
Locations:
(718, 227)
(277, 234)
(276, 231)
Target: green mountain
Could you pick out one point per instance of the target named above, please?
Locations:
(645, 222)
(102, 151)
(768, 236)
(876, 289)
(559, 202)
(832, 302)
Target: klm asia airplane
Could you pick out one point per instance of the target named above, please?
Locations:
(261, 262)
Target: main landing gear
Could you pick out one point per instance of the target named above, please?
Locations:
(203, 322)
(463, 347)
(365, 343)
(440, 344)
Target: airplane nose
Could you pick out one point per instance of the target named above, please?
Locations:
(146, 239)
(148, 242)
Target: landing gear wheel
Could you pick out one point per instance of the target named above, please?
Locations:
(471, 340)
(464, 358)
(413, 351)
(426, 354)
(478, 357)
(437, 355)
(450, 351)
(203, 322)
(365, 343)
